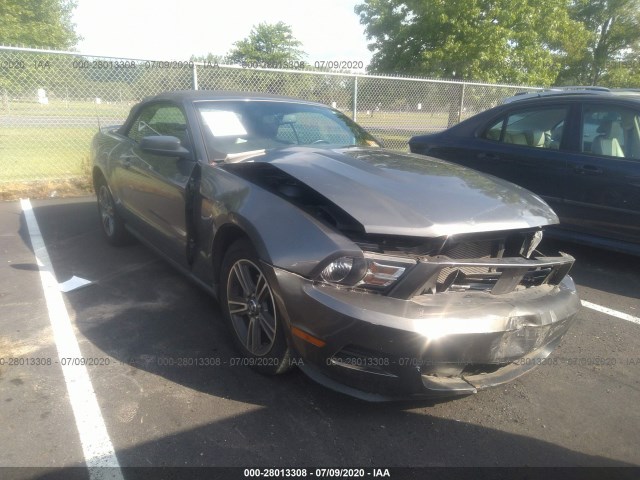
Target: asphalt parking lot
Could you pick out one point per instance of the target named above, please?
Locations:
(170, 393)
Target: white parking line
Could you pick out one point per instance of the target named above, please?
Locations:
(96, 444)
(609, 311)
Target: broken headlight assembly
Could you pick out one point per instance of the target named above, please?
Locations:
(373, 271)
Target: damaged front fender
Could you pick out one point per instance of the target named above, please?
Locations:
(283, 234)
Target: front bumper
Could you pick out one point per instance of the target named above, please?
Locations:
(378, 347)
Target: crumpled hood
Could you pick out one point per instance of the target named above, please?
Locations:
(404, 194)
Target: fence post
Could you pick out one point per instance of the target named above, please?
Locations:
(194, 77)
(456, 94)
(355, 99)
(461, 103)
(5, 99)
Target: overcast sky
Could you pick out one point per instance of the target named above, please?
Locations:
(149, 29)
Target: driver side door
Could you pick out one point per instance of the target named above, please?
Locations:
(154, 188)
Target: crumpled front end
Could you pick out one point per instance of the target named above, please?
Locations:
(446, 326)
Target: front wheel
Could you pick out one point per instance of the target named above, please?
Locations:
(249, 307)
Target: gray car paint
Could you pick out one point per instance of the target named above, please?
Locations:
(386, 193)
(269, 221)
(402, 194)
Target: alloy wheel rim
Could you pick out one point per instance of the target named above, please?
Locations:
(106, 211)
(251, 307)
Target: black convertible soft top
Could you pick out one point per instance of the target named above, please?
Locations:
(192, 95)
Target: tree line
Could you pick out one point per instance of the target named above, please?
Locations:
(550, 42)
(525, 42)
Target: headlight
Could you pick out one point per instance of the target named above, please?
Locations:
(338, 270)
(373, 271)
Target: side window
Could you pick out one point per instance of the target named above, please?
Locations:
(494, 132)
(160, 120)
(611, 131)
(538, 128)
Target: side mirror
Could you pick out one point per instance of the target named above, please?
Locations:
(165, 145)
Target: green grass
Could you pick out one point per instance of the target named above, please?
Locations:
(49, 152)
(61, 108)
(417, 120)
(395, 129)
(30, 153)
(395, 142)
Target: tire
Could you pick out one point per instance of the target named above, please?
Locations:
(249, 308)
(110, 220)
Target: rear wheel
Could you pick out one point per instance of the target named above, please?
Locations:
(112, 224)
(249, 307)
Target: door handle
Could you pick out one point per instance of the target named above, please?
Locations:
(588, 170)
(488, 156)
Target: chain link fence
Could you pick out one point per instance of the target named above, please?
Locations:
(51, 103)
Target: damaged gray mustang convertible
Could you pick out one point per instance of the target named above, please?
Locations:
(381, 274)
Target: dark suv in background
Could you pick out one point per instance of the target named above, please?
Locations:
(577, 149)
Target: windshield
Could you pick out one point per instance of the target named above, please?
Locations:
(233, 128)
